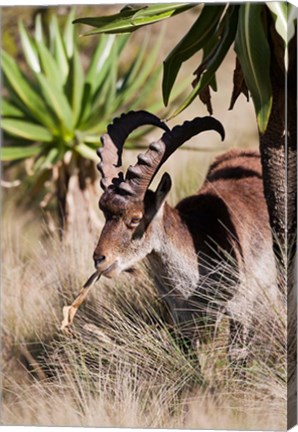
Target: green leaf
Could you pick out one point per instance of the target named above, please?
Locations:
(38, 163)
(49, 65)
(112, 79)
(285, 15)
(212, 61)
(209, 48)
(59, 48)
(76, 79)
(49, 160)
(57, 101)
(39, 36)
(22, 88)
(24, 129)
(145, 91)
(95, 116)
(130, 19)
(98, 79)
(157, 12)
(97, 70)
(93, 140)
(195, 39)
(29, 49)
(141, 75)
(15, 153)
(253, 51)
(69, 33)
(10, 110)
(118, 23)
(85, 151)
(136, 66)
(178, 93)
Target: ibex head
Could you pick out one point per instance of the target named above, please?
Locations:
(133, 213)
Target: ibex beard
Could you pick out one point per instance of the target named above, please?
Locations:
(208, 238)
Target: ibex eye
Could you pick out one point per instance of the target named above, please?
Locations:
(135, 221)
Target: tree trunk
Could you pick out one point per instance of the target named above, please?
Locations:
(74, 184)
(278, 147)
(278, 150)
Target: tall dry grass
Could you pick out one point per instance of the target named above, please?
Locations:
(122, 366)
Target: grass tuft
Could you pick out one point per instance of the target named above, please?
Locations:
(122, 366)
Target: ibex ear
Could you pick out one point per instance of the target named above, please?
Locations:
(162, 190)
(154, 200)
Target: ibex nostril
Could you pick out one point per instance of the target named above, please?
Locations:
(99, 259)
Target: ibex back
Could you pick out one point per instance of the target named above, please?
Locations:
(200, 251)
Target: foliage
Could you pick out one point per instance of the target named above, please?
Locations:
(131, 17)
(214, 31)
(253, 52)
(53, 111)
(284, 15)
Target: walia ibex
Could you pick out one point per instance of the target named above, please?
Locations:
(205, 252)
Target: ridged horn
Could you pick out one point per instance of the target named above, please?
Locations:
(139, 176)
(113, 141)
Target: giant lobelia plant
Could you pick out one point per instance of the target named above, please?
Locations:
(54, 109)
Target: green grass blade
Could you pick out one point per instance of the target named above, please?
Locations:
(29, 48)
(22, 88)
(193, 41)
(253, 51)
(24, 129)
(15, 153)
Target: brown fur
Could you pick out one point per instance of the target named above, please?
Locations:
(225, 222)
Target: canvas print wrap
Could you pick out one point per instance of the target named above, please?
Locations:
(149, 216)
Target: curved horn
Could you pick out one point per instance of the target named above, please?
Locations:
(139, 176)
(112, 143)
